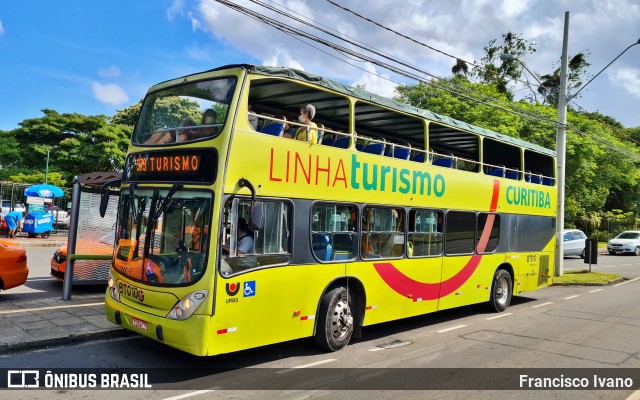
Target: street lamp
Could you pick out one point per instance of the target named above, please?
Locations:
(46, 169)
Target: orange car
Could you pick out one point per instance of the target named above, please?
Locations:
(85, 269)
(13, 264)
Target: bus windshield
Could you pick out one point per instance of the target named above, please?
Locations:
(162, 235)
(184, 113)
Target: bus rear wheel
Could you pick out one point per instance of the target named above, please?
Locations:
(335, 320)
(501, 291)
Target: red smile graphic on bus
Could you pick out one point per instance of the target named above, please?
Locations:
(431, 291)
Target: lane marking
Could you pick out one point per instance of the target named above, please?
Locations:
(41, 278)
(625, 282)
(49, 308)
(451, 329)
(376, 349)
(284, 371)
(184, 396)
(634, 396)
(500, 316)
(542, 305)
(572, 297)
(596, 290)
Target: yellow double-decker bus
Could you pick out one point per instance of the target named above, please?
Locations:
(241, 223)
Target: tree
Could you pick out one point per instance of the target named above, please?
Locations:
(494, 70)
(127, 116)
(551, 82)
(83, 144)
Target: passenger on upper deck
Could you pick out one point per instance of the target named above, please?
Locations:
(169, 135)
(306, 115)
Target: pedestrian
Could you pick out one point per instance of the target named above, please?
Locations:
(14, 222)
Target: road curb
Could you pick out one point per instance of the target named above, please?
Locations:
(609, 283)
(41, 344)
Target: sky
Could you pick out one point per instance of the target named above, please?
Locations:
(97, 57)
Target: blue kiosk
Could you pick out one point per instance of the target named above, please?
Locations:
(39, 220)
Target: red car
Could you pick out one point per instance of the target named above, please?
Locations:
(13, 265)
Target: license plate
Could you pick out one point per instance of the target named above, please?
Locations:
(140, 324)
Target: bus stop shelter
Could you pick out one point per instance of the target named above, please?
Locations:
(91, 237)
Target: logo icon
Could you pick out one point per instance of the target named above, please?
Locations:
(23, 378)
(249, 288)
(232, 288)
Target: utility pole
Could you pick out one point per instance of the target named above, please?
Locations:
(561, 143)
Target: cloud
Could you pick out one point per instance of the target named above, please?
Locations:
(375, 82)
(111, 71)
(1, 28)
(282, 58)
(628, 79)
(110, 94)
(175, 9)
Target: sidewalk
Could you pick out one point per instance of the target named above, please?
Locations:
(55, 240)
(38, 324)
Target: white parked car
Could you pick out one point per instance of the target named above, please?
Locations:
(626, 242)
(61, 217)
(574, 243)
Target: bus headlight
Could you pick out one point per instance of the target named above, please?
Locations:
(188, 305)
(111, 288)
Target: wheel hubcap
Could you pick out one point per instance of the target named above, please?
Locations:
(341, 321)
(502, 291)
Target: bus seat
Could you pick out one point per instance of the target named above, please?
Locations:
(359, 146)
(547, 181)
(496, 171)
(419, 157)
(320, 133)
(536, 179)
(527, 176)
(401, 153)
(512, 175)
(374, 148)
(342, 143)
(321, 246)
(344, 242)
(274, 129)
(397, 250)
(327, 141)
(446, 162)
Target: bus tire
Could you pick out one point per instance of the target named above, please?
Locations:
(335, 320)
(501, 291)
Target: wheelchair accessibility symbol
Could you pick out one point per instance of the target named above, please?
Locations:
(249, 288)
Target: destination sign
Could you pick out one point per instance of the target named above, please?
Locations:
(193, 165)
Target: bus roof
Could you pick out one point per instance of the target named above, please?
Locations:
(383, 101)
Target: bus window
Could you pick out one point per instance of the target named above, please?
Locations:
(382, 232)
(461, 227)
(187, 112)
(271, 244)
(491, 222)
(425, 233)
(333, 231)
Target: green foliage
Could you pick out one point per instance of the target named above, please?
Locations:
(53, 178)
(495, 71)
(76, 144)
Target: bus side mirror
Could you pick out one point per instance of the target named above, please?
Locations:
(256, 218)
(104, 195)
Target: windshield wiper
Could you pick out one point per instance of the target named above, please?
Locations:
(155, 211)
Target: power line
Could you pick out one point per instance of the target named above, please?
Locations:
(294, 32)
(507, 107)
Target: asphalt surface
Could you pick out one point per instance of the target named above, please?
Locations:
(52, 322)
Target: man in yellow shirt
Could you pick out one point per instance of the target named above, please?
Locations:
(308, 133)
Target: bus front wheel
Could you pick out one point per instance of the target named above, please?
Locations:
(335, 320)
(501, 291)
